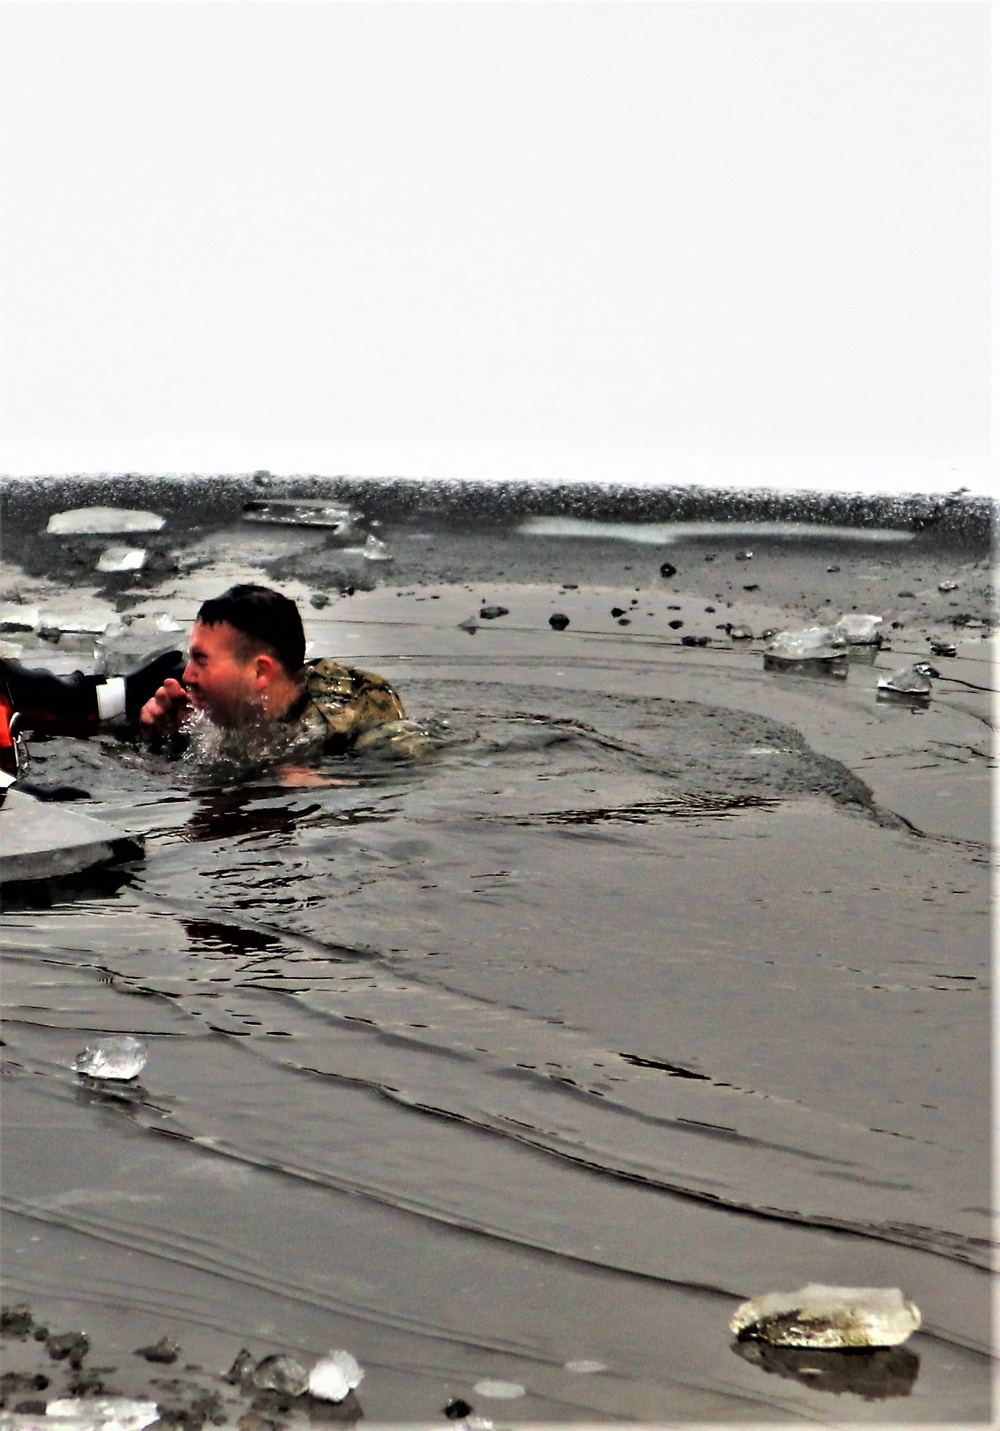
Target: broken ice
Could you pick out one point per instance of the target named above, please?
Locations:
(859, 628)
(911, 683)
(114, 559)
(831, 1317)
(102, 521)
(121, 1058)
(375, 549)
(334, 1375)
(303, 512)
(102, 1413)
(280, 1373)
(814, 650)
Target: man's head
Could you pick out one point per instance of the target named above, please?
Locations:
(245, 655)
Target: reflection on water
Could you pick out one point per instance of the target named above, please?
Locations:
(873, 1374)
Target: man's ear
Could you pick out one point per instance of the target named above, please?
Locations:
(265, 668)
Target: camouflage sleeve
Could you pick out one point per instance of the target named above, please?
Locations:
(350, 701)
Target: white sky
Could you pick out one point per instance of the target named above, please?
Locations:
(687, 240)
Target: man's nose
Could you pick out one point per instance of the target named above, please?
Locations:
(188, 673)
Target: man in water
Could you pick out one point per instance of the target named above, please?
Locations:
(246, 670)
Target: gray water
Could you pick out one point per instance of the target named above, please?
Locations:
(628, 1005)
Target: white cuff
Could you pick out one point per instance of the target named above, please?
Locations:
(111, 698)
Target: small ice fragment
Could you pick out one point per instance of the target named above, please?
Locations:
(911, 682)
(586, 1368)
(121, 1057)
(104, 1413)
(334, 1375)
(375, 549)
(121, 559)
(501, 1390)
(740, 633)
(102, 521)
(947, 586)
(832, 1317)
(165, 622)
(280, 1373)
(859, 628)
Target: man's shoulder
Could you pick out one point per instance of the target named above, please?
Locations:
(327, 677)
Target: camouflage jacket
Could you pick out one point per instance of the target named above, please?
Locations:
(339, 703)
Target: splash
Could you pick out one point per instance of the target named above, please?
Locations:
(238, 751)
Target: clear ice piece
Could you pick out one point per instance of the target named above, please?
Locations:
(102, 521)
(908, 681)
(375, 549)
(280, 1373)
(810, 644)
(102, 1413)
(859, 628)
(832, 1317)
(120, 1057)
(334, 1375)
(121, 559)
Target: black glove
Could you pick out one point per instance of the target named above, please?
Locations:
(147, 680)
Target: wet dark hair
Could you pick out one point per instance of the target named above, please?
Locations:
(265, 617)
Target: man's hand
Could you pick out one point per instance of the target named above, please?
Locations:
(162, 714)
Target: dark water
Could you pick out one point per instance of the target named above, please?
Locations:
(628, 1005)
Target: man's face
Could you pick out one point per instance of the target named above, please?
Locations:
(220, 680)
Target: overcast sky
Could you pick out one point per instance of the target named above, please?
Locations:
(688, 240)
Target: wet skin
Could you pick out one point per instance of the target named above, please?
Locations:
(221, 680)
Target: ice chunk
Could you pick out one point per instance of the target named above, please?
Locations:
(102, 1413)
(859, 628)
(334, 1375)
(121, 1057)
(303, 512)
(583, 1367)
(90, 621)
(831, 1317)
(813, 651)
(19, 618)
(280, 1373)
(121, 559)
(102, 521)
(375, 549)
(501, 1390)
(908, 683)
(808, 643)
(163, 621)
